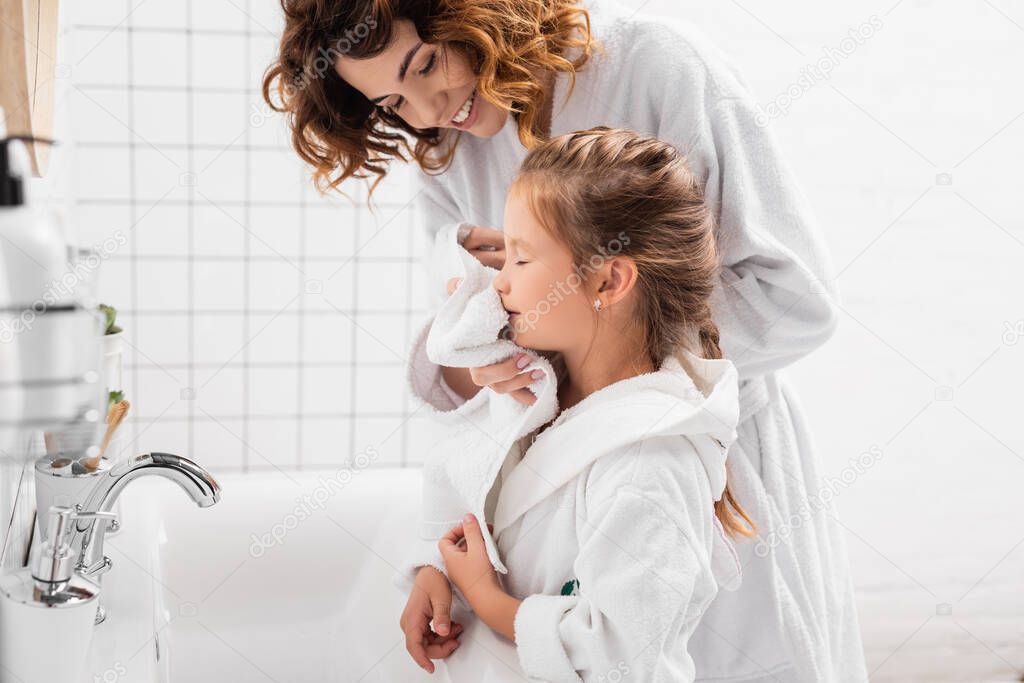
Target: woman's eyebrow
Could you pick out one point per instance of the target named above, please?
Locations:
(401, 69)
(408, 60)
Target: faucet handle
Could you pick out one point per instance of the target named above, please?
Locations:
(52, 559)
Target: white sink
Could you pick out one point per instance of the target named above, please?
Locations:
(319, 605)
(267, 585)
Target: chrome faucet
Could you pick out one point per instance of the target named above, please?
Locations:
(91, 531)
(63, 574)
(90, 495)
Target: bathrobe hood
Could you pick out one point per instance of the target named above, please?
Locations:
(703, 408)
(688, 397)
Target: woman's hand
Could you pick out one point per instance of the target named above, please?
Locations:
(465, 558)
(487, 245)
(506, 377)
(431, 598)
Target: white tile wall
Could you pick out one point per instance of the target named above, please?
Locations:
(248, 299)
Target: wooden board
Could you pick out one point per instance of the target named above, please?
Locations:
(28, 60)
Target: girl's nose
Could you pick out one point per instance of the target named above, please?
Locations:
(500, 282)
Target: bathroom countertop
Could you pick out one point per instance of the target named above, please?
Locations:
(202, 594)
(124, 646)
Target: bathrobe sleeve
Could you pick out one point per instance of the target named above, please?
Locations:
(776, 299)
(642, 586)
(435, 208)
(427, 385)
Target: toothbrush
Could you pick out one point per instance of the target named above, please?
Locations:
(114, 419)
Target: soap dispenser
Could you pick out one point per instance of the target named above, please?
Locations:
(12, 395)
(34, 252)
(48, 603)
(51, 338)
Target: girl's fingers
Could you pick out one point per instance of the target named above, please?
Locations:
(520, 381)
(436, 639)
(442, 650)
(524, 396)
(440, 610)
(415, 645)
(500, 372)
(474, 538)
(452, 284)
(451, 542)
(454, 534)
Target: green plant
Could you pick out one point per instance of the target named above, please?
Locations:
(111, 314)
(114, 398)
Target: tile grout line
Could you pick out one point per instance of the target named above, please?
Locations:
(353, 348)
(269, 259)
(248, 33)
(265, 365)
(133, 209)
(328, 204)
(248, 263)
(409, 268)
(300, 367)
(271, 416)
(270, 312)
(190, 268)
(164, 89)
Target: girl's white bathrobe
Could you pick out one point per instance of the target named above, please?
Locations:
(774, 305)
(606, 526)
(630, 533)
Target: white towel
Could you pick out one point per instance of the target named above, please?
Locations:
(469, 330)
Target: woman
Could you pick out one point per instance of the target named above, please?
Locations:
(465, 87)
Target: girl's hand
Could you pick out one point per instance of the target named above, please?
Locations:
(487, 245)
(431, 598)
(465, 558)
(506, 377)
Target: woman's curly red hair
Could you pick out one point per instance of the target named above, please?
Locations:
(342, 134)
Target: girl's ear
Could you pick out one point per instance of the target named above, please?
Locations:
(618, 278)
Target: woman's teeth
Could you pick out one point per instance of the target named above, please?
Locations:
(467, 107)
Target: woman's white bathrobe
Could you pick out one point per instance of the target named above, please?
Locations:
(773, 306)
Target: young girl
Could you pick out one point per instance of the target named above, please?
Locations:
(610, 574)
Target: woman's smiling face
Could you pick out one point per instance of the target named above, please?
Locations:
(549, 309)
(415, 81)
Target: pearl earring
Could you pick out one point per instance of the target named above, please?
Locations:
(597, 304)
